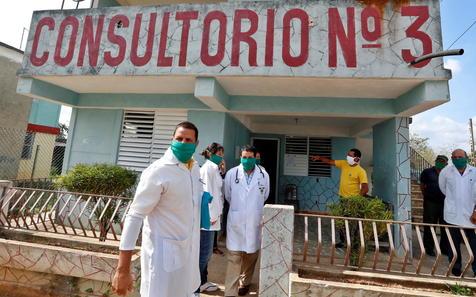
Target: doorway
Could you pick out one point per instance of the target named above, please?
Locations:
(269, 150)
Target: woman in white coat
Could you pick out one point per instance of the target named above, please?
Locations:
(213, 184)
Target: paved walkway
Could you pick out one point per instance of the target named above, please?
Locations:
(217, 273)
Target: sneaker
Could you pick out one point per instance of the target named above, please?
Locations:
(242, 291)
(208, 287)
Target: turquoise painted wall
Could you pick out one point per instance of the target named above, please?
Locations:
(94, 136)
(385, 158)
(211, 128)
(44, 113)
(236, 135)
(314, 193)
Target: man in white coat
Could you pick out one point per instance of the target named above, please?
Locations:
(246, 189)
(458, 183)
(167, 201)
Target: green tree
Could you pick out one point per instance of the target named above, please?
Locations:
(421, 145)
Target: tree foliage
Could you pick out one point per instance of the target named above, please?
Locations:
(421, 145)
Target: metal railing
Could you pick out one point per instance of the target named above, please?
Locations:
(378, 245)
(417, 164)
(34, 183)
(79, 214)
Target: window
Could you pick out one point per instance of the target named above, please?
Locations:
(298, 150)
(146, 135)
(28, 145)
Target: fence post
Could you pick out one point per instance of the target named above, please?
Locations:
(276, 251)
(5, 185)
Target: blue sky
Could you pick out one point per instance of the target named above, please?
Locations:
(446, 126)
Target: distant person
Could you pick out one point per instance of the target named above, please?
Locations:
(353, 178)
(213, 184)
(433, 205)
(246, 189)
(458, 182)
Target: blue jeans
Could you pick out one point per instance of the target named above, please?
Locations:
(206, 250)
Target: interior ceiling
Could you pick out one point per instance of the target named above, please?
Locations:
(246, 86)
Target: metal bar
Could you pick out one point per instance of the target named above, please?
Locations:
(53, 209)
(455, 255)
(438, 250)
(377, 246)
(470, 252)
(333, 236)
(422, 250)
(362, 244)
(59, 218)
(111, 221)
(70, 212)
(349, 245)
(99, 199)
(374, 220)
(392, 247)
(15, 218)
(406, 247)
(6, 205)
(80, 216)
(306, 239)
(319, 240)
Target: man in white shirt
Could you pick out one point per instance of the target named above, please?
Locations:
(168, 201)
(458, 182)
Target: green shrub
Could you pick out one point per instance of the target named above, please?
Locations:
(101, 179)
(360, 207)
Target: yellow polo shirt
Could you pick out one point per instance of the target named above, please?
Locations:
(351, 178)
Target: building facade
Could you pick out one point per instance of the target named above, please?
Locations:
(292, 77)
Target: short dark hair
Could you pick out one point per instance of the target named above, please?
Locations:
(212, 149)
(187, 125)
(357, 152)
(248, 148)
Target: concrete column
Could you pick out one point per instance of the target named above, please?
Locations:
(276, 251)
(391, 174)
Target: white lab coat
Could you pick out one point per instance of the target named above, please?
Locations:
(169, 197)
(213, 184)
(246, 208)
(460, 197)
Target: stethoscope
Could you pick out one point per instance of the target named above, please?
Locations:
(237, 181)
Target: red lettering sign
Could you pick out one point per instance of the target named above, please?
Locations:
(72, 22)
(288, 59)
(346, 41)
(371, 12)
(34, 59)
(269, 48)
(135, 58)
(422, 13)
(118, 21)
(91, 41)
(207, 59)
(163, 60)
(185, 17)
(240, 36)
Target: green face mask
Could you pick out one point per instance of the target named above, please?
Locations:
(216, 159)
(183, 151)
(248, 163)
(460, 163)
(440, 165)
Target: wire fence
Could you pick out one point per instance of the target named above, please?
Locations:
(28, 155)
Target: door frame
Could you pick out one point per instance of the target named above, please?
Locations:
(278, 160)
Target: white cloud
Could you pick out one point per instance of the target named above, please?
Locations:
(444, 134)
(454, 65)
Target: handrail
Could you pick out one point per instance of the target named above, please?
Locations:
(53, 211)
(380, 245)
(418, 163)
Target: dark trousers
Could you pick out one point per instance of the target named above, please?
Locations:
(457, 240)
(433, 214)
(206, 248)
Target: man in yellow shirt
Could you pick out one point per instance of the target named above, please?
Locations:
(353, 178)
